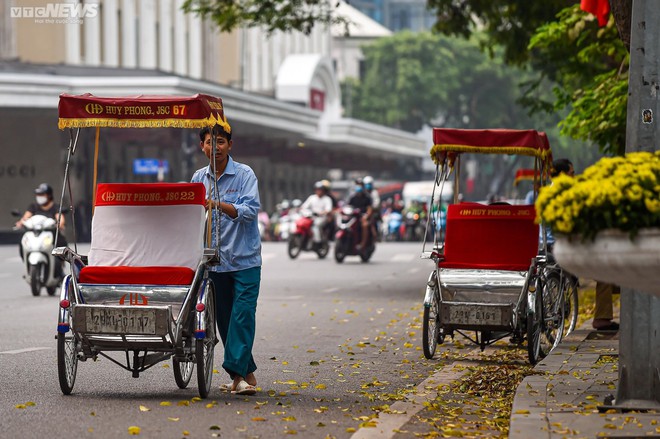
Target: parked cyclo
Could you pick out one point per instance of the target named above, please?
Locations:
(142, 294)
(492, 275)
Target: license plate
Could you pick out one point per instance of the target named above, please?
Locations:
(475, 315)
(121, 321)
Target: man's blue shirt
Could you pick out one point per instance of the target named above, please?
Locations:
(241, 242)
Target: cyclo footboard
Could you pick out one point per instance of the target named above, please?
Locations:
(479, 299)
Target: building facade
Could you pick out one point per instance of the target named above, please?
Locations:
(281, 94)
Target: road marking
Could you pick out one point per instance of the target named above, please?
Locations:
(403, 257)
(330, 290)
(413, 270)
(22, 351)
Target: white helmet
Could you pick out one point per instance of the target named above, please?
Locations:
(368, 180)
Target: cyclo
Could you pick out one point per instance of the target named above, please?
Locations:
(143, 290)
(492, 273)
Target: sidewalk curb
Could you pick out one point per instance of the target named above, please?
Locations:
(564, 399)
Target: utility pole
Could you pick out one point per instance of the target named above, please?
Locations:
(639, 334)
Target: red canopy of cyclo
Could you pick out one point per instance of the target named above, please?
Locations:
(81, 111)
(450, 141)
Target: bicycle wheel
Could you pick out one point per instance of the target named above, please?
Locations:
(183, 371)
(431, 324)
(204, 347)
(571, 304)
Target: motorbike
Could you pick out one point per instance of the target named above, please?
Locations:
(42, 269)
(348, 236)
(393, 227)
(302, 237)
(413, 226)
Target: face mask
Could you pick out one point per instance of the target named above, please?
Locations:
(41, 200)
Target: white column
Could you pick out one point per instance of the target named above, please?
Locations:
(266, 62)
(180, 36)
(254, 58)
(110, 34)
(72, 42)
(92, 41)
(165, 14)
(147, 50)
(128, 34)
(195, 44)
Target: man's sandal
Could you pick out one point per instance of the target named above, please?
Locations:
(243, 388)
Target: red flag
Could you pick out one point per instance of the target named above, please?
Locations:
(599, 8)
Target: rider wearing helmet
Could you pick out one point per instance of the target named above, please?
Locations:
(43, 205)
(361, 200)
(46, 206)
(368, 183)
(321, 205)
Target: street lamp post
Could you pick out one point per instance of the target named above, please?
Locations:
(639, 335)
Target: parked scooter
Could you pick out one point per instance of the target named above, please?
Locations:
(349, 235)
(302, 238)
(42, 269)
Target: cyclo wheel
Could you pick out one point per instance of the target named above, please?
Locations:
(67, 361)
(553, 314)
(571, 303)
(183, 371)
(534, 319)
(67, 357)
(205, 347)
(431, 324)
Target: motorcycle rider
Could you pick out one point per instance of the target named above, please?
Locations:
(321, 205)
(330, 227)
(361, 200)
(376, 218)
(45, 205)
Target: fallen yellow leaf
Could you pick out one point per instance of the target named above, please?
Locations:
(173, 419)
(133, 430)
(144, 409)
(258, 419)
(165, 403)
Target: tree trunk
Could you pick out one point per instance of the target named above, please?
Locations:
(622, 12)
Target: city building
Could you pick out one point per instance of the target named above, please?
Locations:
(398, 15)
(280, 91)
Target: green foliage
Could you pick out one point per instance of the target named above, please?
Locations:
(416, 79)
(589, 65)
(508, 23)
(272, 15)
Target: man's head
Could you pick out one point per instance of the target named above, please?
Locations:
(217, 130)
(368, 182)
(43, 193)
(562, 166)
(223, 144)
(319, 189)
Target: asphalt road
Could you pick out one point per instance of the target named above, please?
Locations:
(334, 343)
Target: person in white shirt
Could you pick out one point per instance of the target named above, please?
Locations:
(320, 205)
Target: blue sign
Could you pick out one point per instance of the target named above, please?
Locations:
(150, 166)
